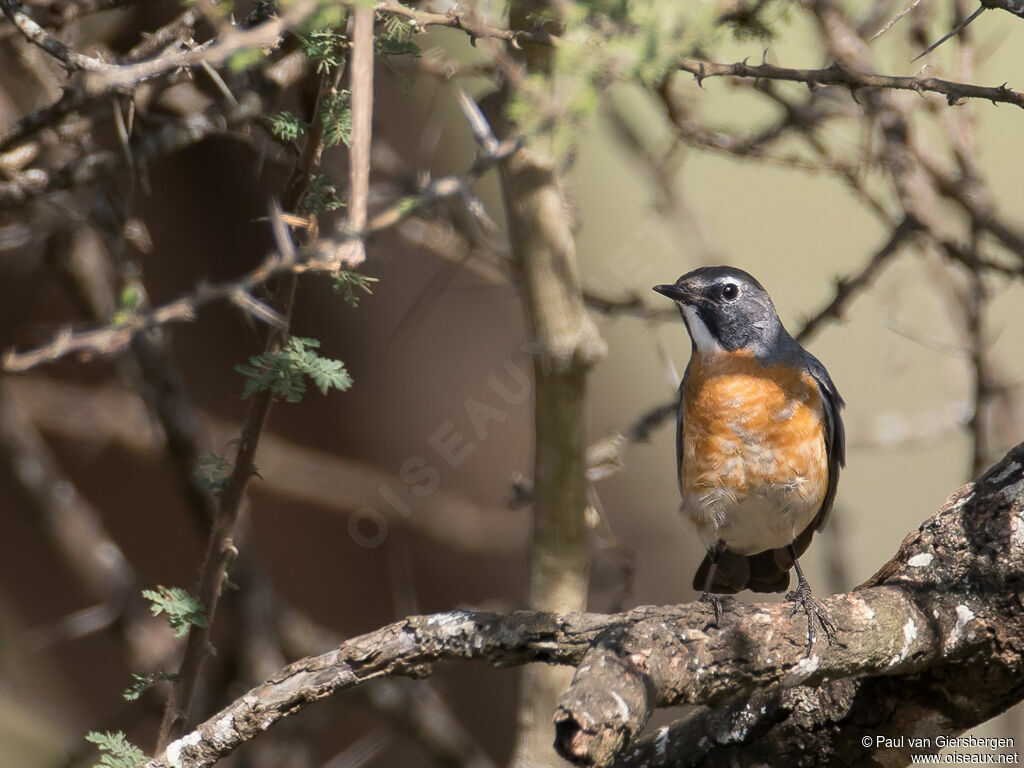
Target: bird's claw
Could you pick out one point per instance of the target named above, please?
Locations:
(717, 603)
(803, 601)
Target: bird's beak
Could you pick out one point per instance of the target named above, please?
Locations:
(677, 293)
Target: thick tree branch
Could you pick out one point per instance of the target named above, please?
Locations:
(933, 643)
(566, 344)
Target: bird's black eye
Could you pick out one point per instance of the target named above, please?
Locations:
(730, 291)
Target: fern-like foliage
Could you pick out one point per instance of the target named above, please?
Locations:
(325, 46)
(321, 195)
(143, 680)
(351, 285)
(116, 751)
(395, 38)
(182, 610)
(285, 126)
(213, 472)
(336, 114)
(284, 373)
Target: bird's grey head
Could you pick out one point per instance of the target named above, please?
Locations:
(726, 309)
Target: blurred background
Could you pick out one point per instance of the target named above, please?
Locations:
(347, 526)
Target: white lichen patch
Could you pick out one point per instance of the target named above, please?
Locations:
(623, 706)
(802, 670)
(909, 636)
(1014, 466)
(661, 742)
(175, 748)
(963, 617)
(224, 729)
(921, 560)
(860, 609)
(1013, 492)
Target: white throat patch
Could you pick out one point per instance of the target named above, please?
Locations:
(702, 337)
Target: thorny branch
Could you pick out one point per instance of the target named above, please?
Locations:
(838, 74)
(111, 339)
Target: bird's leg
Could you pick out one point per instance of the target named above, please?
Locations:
(717, 601)
(815, 611)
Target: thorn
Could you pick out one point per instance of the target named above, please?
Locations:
(955, 31)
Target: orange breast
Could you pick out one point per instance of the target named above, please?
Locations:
(748, 429)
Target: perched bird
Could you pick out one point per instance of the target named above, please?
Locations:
(759, 440)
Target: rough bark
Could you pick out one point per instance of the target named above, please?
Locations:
(932, 644)
(565, 344)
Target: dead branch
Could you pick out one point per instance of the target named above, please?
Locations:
(837, 74)
(935, 636)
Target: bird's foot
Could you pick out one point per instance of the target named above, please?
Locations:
(803, 601)
(717, 603)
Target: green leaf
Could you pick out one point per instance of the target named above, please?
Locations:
(321, 195)
(395, 38)
(284, 373)
(116, 751)
(213, 472)
(285, 125)
(351, 284)
(336, 115)
(143, 680)
(182, 610)
(324, 45)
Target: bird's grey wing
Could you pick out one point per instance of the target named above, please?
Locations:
(679, 429)
(835, 434)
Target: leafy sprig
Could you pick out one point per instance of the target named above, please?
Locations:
(284, 373)
(285, 126)
(213, 472)
(143, 680)
(182, 610)
(351, 285)
(337, 118)
(116, 751)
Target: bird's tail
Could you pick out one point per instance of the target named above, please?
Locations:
(764, 572)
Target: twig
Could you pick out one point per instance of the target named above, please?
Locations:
(218, 120)
(35, 34)
(847, 288)
(462, 22)
(362, 133)
(895, 19)
(954, 31)
(110, 340)
(214, 52)
(838, 74)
